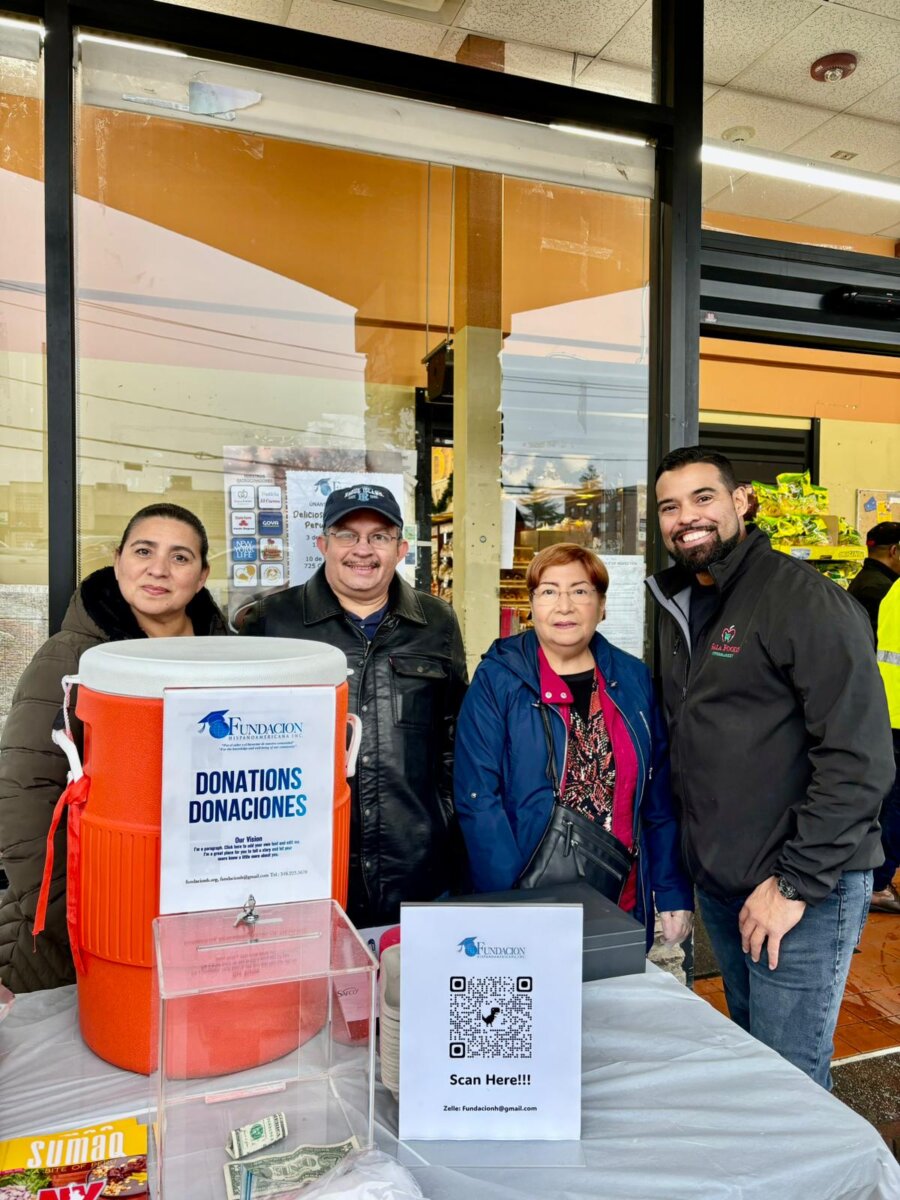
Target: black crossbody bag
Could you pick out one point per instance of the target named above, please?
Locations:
(574, 848)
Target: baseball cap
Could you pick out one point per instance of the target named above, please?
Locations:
(887, 533)
(344, 501)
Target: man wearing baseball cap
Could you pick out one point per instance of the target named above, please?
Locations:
(407, 676)
(879, 571)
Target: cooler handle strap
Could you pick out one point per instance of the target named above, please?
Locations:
(68, 682)
(70, 750)
(355, 738)
(74, 797)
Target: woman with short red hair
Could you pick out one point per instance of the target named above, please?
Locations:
(559, 723)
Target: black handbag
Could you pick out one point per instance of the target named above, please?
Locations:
(574, 848)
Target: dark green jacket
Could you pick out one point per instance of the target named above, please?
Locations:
(33, 774)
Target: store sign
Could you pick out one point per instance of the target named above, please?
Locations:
(490, 1022)
(247, 796)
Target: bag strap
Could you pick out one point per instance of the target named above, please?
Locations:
(551, 772)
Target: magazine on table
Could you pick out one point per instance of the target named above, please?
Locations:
(103, 1160)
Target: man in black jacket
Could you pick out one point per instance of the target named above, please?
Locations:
(781, 755)
(879, 571)
(407, 677)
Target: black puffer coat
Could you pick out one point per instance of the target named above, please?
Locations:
(406, 685)
(33, 774)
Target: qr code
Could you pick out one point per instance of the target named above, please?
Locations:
(490, 1017)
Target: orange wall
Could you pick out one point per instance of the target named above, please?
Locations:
(21, 135)
(807, 235)
(789, 382)
(357, 226)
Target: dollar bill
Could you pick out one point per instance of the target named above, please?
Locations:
(275, 1173)
(256, 1136)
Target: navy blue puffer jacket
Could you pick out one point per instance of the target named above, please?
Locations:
(502, 785)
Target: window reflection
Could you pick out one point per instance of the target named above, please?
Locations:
(23, 465)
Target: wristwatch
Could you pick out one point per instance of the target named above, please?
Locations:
(787, 889)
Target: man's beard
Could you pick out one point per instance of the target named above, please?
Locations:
(701, 558)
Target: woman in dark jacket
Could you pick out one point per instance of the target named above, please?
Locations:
(559, 708)
(155, 589)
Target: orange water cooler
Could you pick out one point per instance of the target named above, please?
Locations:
(114, 855)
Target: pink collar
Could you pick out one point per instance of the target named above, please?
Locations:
(553, 689)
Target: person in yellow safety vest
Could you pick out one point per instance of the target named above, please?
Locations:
(885, 896)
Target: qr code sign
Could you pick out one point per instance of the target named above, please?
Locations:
(490, 1017)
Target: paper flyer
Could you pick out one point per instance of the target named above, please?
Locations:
(247, 796)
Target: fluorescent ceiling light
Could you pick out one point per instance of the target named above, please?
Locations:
(29, 26)
(125, 45)
(600, 135)
(783, 166)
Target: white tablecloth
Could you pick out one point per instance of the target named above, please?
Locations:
(678, 1104)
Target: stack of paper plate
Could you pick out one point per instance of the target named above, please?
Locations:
(389, 1044)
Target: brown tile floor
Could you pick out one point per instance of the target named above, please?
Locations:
(870, 1014)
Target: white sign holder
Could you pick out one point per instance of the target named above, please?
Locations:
(490, 1028)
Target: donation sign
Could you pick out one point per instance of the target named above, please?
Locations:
(490, 1021)
(247, 796)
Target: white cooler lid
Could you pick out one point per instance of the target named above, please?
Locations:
(146, 666)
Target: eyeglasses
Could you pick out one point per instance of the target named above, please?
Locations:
(349, 537)
(548, 594)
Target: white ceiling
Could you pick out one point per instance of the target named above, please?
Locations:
(757, 59)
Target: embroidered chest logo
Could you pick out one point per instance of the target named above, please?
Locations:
(726, 646)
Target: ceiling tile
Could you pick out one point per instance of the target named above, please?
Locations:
(451, 43)
(616, 79)
(776, 199)
(876, 143)
(777, 122)
(273, 11)
(784, 70)
(884, 8)
(892, 231)
(853, 214)
(366, 25)
(554, 66)
(715, 179)
(736, 33)
(884, 102)
(633, 44)
(584, 26)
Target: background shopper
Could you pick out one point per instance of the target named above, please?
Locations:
(880, 569)
(885, 897)
(559, 712)
(154, 589)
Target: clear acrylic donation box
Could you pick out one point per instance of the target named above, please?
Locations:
(291, 993)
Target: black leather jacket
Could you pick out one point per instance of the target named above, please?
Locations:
(406, 685)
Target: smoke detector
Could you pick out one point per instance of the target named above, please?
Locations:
(832, 68)
(739, 134)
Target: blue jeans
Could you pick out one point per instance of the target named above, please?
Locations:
(890, 827)
(794, 1008)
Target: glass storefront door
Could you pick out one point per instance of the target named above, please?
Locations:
(268, 269)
